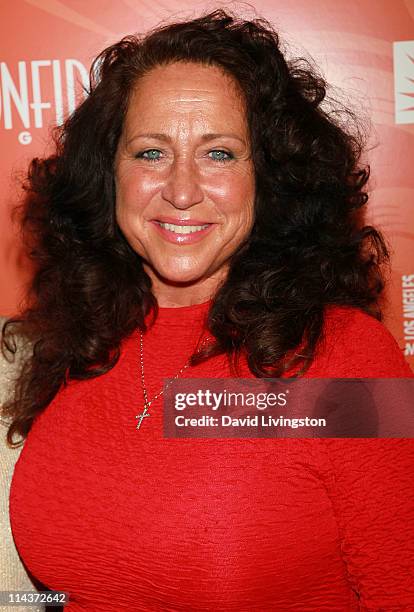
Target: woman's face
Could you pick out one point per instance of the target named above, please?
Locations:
(184, 178)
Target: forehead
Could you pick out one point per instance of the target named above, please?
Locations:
(187, 90)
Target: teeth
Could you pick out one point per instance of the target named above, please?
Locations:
(183, 229)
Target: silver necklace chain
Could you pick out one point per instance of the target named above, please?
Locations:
(147, 403)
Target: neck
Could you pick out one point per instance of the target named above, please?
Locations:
(175, 295)
(165, 302)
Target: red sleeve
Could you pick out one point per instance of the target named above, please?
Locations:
(372, 493)
(371, 483)
(354, 344)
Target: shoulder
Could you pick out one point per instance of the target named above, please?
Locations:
(355, 344)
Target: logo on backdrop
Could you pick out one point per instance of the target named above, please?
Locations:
(38, 92)
(404, 81)
(408, 312)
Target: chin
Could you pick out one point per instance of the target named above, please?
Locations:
(181, 276)
(190, 277)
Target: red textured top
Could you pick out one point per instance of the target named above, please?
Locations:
(124, 519)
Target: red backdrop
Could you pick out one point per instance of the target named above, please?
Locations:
(364, 48)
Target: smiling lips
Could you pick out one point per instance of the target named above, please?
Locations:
(182, 232)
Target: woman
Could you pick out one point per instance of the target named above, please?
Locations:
(201, 219)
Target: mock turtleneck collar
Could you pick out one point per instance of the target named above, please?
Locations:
(190, 314)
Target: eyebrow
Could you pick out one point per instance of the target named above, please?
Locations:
(166, 138)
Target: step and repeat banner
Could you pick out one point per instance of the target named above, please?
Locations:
(365, 49)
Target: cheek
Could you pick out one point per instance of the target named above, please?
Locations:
(237, 200)
(233, 191)
(127, 206)
(134, 190)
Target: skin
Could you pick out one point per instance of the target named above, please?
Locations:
(183, 102)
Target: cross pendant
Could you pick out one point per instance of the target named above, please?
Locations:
(141, 416)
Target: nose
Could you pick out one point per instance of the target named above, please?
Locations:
(182, 187)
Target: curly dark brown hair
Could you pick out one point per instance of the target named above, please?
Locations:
(308, 247)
